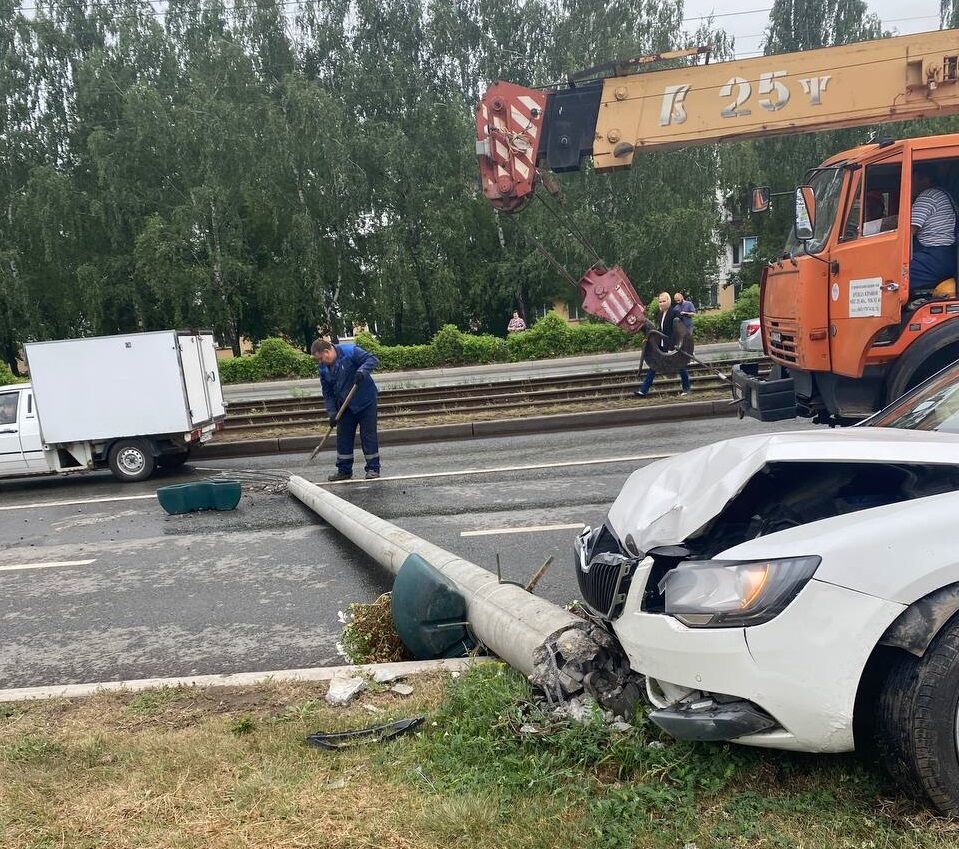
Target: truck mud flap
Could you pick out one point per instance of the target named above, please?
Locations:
(764, 399)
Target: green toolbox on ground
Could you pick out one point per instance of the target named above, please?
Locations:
(205, 495)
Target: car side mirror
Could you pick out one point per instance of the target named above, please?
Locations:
(759, 199)
(805, 222)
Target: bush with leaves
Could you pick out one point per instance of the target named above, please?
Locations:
(551, 336)
(724, 326)
(275, 359)
(597, 337)
(7, 377)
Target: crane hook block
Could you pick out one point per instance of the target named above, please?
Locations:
(509, 124)
(608, 294)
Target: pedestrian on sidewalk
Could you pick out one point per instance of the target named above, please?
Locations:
(342, 367)
(516, 324)
(687, 309)
(668, 313)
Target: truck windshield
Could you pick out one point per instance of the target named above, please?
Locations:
(827, 184)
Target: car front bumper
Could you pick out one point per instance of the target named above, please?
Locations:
(802, 668)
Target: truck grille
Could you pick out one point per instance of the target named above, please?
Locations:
(782, 340)
(605, 584)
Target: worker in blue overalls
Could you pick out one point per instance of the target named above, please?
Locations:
(341, 368)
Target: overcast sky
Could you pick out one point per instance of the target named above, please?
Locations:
(897, 16)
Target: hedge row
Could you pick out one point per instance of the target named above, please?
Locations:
(550, 337)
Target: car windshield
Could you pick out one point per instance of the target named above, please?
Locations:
(827, 186)
(933, 405)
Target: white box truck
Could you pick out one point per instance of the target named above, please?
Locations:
(130, 403)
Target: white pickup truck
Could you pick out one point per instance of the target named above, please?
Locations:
(130, 403)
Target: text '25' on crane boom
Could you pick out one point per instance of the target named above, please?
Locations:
(841, 348)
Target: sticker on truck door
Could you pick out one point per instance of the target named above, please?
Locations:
(865, 297)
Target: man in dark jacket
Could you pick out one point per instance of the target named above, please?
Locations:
(342, 367)
(668, 313)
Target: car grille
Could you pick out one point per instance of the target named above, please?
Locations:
(605, 584)
(782, 340)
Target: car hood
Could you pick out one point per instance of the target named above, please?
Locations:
(672, 499)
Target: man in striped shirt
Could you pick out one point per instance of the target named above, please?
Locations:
(933, 231)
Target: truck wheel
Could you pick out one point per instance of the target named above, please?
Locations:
(172, 461)
(131, 460)
(918, 721)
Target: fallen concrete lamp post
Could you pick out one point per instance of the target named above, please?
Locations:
(560, 653)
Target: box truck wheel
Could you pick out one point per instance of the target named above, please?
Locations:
(172, 461)
(131, 460)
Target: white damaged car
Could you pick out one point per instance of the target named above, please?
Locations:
(799, 590)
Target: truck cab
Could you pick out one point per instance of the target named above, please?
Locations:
(844, 327)
(21, 447)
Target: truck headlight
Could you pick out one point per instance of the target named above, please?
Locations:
(730, 593)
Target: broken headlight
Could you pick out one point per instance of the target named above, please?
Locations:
(729, 594)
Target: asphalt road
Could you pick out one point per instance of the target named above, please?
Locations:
(97, 583)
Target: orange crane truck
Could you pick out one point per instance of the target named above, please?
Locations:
(846, 331)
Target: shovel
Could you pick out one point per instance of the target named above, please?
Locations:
(339, 415)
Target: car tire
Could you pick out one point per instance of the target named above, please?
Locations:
(172, 461)
(917, 727)
(131, 460)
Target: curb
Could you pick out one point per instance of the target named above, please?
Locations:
(586, 420)
(239, 679)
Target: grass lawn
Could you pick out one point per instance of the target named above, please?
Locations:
(225, 767)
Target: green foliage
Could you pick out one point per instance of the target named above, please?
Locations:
(331, 181)
(600, 789)
(275, 359)
(478, 746)
(369, 635)
(549, 338)
(243, 725)
(724, 326)
(7, 377)
(151, 702)
(452, 347)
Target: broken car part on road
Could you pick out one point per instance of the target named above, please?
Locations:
(561, 653)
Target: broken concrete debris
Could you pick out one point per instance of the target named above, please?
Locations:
(586, 659)
(386, 676)
(402, 689)
(343, 690)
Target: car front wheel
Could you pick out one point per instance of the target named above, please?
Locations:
(918, 721)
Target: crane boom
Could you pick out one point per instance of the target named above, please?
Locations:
(520, 129)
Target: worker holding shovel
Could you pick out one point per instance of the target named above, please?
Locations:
(349, 395)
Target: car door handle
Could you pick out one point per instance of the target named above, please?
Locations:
(9, 431)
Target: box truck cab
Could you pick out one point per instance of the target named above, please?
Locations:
(129, 403)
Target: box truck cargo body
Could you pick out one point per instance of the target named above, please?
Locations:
(130, 402)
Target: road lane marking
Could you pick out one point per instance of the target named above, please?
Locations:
(529, 468)
(41, 504)
(50, 565)
(532, 529)
(238, 679)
